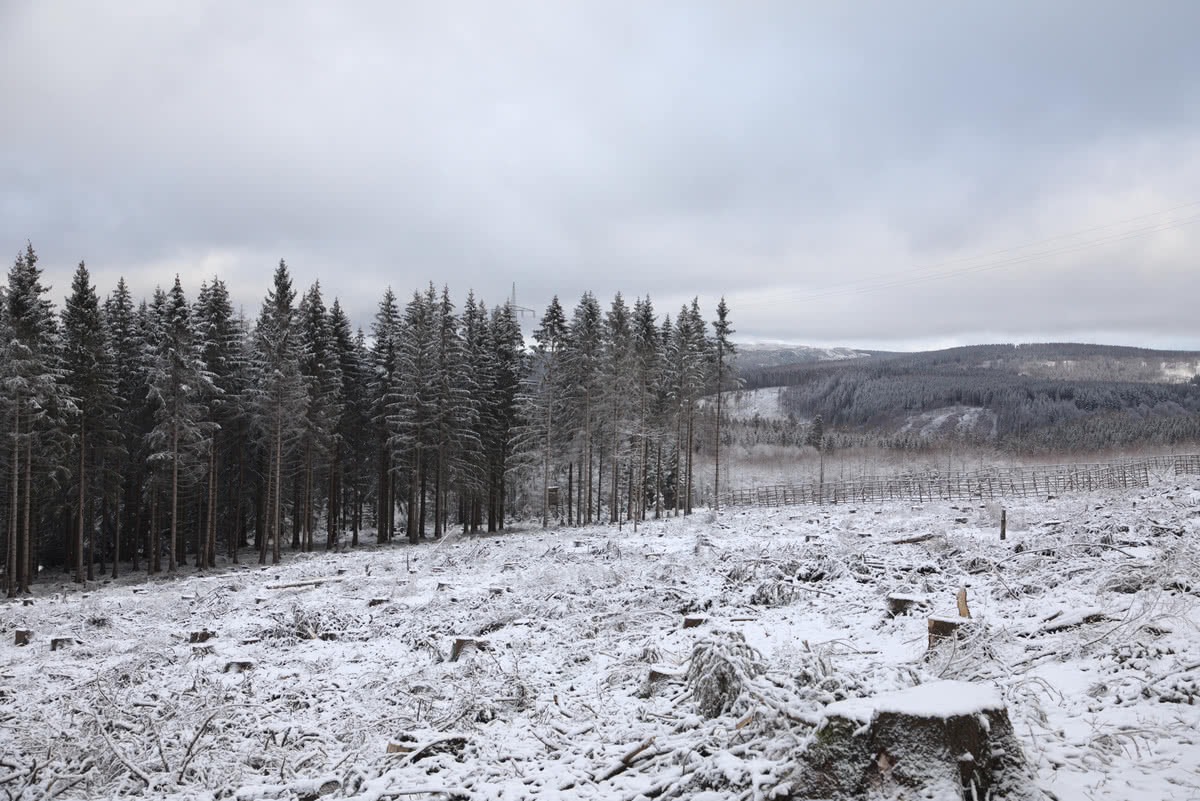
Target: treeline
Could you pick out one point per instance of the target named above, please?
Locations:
(872, 399)
(147, 432)
(1052, 360)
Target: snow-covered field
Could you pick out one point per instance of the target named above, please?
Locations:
(338, 676)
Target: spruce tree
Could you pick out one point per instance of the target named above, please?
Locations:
(410, 410)
(178, 384)
(89, 382)
(508, 359)
(125, 352)
(219, 339)
(549, 337)
(279, 396)
(582, 360)
(321, 369)
(385, 335)
(724, 349)
(617, 381)
(29, 375)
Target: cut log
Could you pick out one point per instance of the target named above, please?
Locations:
(694, 621)
(62, 642)
(240, 666)
(24, 637)
(26, 602)
(203, 635)
(945, 739)
(496, 590)
(442, 586)
(463, 643)
(377, 602)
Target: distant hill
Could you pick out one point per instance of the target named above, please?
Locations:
(752, 356)
(1044, 397)
(1057, 360)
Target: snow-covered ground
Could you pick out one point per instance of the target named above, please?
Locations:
(336, 676)
(746, 404)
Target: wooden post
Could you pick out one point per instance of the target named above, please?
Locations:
(1003, 523)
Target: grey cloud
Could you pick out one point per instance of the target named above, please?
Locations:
(763, 150)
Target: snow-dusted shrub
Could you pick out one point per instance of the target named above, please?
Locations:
(309, 623)
(773, 593)
(721, 670)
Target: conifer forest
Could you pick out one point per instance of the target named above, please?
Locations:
(156, 433)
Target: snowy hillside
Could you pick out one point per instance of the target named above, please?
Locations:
(557, 664)
(752, 355)
(747, 404)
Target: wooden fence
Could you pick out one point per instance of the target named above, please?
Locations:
(1187, 465)
(997, 482)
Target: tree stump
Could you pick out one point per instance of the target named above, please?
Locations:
(463, 643)
(899, 603)
(24, 637)
(944, 740)
(694, 621)
(61, 642)
(942, 627)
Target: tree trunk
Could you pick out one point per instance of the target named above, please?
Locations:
(614, 501)
(437, 486)
(717, 445)
(10, 573)
(262, 532)
(172, 559)
(26, 576)
(78, 547)
(658, 506)
(278, 520)
(587, 449)
(91, 546)
(690, 441)
(117, 525)
(154, 562)
(546, 453)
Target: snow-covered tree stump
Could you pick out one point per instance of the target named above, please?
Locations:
(900, 603)
(943, 741)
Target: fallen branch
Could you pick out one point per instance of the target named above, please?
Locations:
(305, 583)
(134, 769)
(912, 540)
(627, 760)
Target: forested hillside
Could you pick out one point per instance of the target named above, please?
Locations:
(140, 433)
(1026, 398)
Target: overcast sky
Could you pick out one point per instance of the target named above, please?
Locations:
(816, 163)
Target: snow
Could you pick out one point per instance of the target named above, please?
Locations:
(937, 699)
(1105, 708)
(746, 404)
